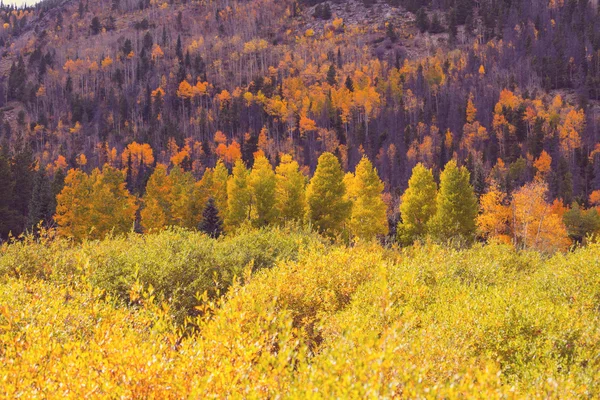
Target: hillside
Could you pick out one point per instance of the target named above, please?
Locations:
(385, 79)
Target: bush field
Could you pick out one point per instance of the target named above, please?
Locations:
(280, 313)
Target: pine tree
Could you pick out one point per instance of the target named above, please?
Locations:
(290, 190)
(211, 223)
(456, 210)
(422, 20)
(327, 208)
(332, 75)
(95, 26)
(262, 188)
(349, 84)
(369, 217)
(22, 171)
(238, 197)
(581, 223)
(40, 205)
(8, 216)
(418, 205)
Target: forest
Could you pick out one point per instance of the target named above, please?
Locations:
(300, 199)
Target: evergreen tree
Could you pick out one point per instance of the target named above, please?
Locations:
(23, 171)
(238, 197)
(41, 203)
(17, 80)
(456, 209)
(418, 205)
(331, 75)
(211, 223)
(95, 26)
(349, 84)
(290, 190)
(369, 217)
(8, 216)
(581, 223)
(179, 49)
(326, 204)
(390, 32)
(422, 20)
(262, 187)
(436, 25)
(452, 25)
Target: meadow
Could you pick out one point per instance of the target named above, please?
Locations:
(283, 313)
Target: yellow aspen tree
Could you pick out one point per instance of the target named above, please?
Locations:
(73, 207)
(369, 217)
(262, 188)
(238, 197)
(290, 189)
(182, 185)
(327, 207)
(494, 218)
(418, 205)
(220, 177)
(156, 212)
(113, 207)
(534, 224)
(456, 206)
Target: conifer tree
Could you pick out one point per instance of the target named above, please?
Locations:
(41, 203)
(211, 223)
(369, 217)
(7, 184)
(238, 197)
(262, 187)
(456, 209)
(290, 190)
(332, 75)
(22, 172)
(418, 205)
(327, 207)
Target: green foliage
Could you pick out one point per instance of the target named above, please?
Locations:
(290, 191)
(456, 208)
(418, 205)
(327, 207)
(262, 187)
(177, 263)
(211, 223)
(369, 218)
(581, 223)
